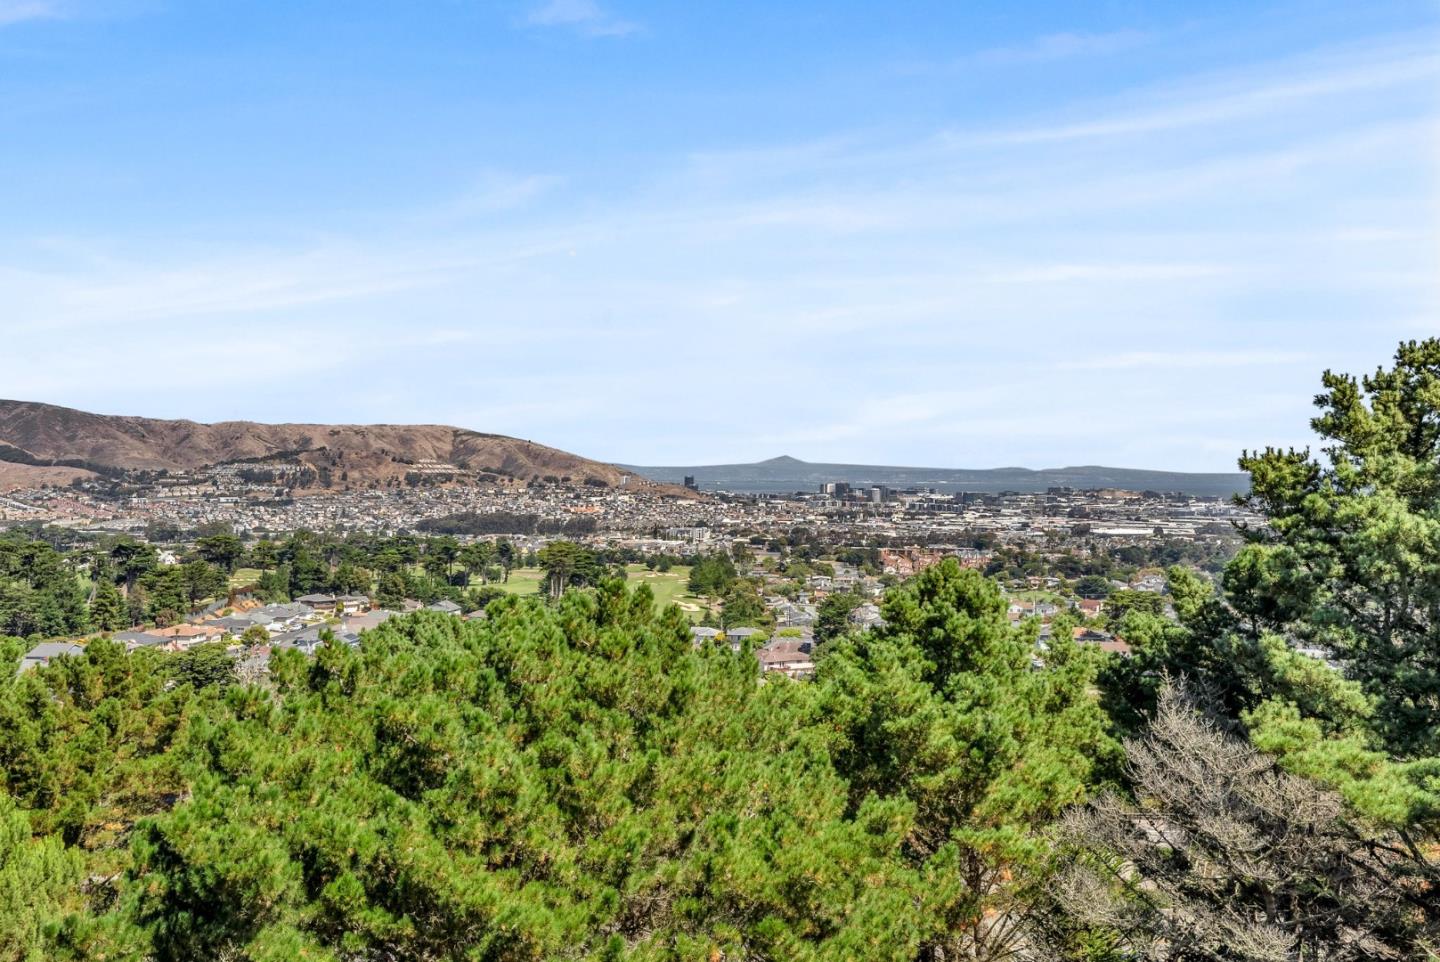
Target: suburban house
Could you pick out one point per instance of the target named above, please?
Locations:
(181, 637)
(791, 615)
(233, 625)
(280, 618)
(786, 656)
(738, 636)
(370, 619)
(139, 639)
(326, 604)
(1103, 640)
(47, 651)
(866, 616)
(700, 634)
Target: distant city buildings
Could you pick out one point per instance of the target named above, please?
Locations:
(800, 549)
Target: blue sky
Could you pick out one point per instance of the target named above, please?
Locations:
(948, 234)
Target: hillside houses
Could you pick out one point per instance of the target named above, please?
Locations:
(1106, 642)
(335, 604)
(46, 652)
(867, 616)
(790, 657)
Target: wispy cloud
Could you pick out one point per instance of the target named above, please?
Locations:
(1115, 273)
(1063, 46)
(1060, 46)
(490, 193)
(1177, 360)
(1048, 48)
(1232, 100)
(245, 283)
(20, 11)
(584, 16)
(495, 191)
(891, 295)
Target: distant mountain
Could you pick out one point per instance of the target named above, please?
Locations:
(46, 442)
(786, 474)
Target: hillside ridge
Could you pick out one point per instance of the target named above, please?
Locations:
(37, 435)
(786, 474)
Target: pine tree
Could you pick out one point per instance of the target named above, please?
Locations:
(945, 710)
(1350, 556)
(107, 607)
(39, 886)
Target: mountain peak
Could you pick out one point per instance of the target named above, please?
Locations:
(783, 459)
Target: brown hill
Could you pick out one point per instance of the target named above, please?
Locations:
(349, 455)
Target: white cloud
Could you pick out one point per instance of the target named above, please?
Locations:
(1062, 46)
(585, 16)
(1236, 99)
(1114, 273)
(907, 299)
(241, 283)
(490, 193)
(882, 416)
(20, 11)
(1049, 48)
(1167, 360)
(497, 191)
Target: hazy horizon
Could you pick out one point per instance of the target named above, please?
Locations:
(745, 462)
(655, 235)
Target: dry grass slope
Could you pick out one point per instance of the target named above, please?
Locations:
(367, 454)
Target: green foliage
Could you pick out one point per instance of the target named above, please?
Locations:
(85, 743)
(274, 585)
(224, 550)
(556, 781)
(390, 591)
(349, 579)
(742, 606)
(570, 778)
(204, 666)
(567, 780)
(264, 554)
(1316, 722)
(1121, 603)
(1093, 586)
(567, 564)
(1398, 794)
(711, 575)
(107, 607)
(167, 593)
(132, 560)
(40, 594)
(943, 710)
(11, 650)
(833, 615)
(1350, 558)
(39, 881)
(1349, 561)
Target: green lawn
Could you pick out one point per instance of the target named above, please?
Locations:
(668, 587)
(523, 581)
(1036, 595)
(244, 576)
